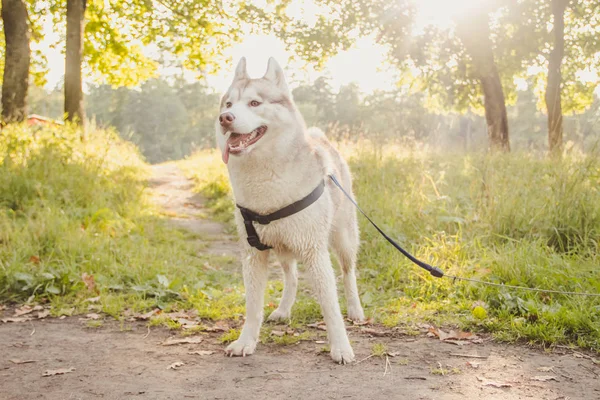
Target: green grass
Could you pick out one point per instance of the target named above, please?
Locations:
(69, 208)
(517, 219)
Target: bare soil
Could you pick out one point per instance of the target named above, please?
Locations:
(122, 360)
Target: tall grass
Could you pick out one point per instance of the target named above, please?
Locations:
(515, 219)
(69, 208)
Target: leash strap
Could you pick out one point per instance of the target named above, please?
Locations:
(438, 273)
(250, 216)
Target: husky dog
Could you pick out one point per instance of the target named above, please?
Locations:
(273, 161)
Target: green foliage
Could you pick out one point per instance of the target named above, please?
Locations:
(510, 219)
(68, 208)
(167, 121)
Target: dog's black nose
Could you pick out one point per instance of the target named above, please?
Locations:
(226, 119)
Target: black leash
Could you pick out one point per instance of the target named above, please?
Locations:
(438, 273)
(435, 271)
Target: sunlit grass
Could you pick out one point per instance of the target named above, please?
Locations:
(69, 208)
(515, 219)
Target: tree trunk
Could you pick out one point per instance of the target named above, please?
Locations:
(74, 110)
(16, 67)
(475, 35)
(553, 86)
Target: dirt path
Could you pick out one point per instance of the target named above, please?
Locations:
(123, 360)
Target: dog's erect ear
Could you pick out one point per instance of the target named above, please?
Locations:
(240, 70)
(275, 74)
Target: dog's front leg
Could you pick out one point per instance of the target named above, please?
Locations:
(254, 267)
(318, 264)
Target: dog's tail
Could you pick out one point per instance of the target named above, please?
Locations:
(315, 132)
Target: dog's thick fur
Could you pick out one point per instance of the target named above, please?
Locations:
(284, 166)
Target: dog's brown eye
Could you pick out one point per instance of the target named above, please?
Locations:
(228, 104)
(254, 103)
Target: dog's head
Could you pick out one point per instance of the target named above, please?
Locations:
(256, 114)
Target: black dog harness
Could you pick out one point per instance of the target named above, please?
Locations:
(250, 216)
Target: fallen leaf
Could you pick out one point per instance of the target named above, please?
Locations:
(89, 282)
(175, 315)
(545, 378)
(472, 364)
(61, 371)
(34, 260)
(17, 361)
(545, 369)
(186, 340)
(394, 354)
(361, 323)
(453, 335)
(456, 342)
(373, 332)
(18, 319)
(175, 365)
(319, 325)
(202, 352)
(43, 314)
(23, 310)
(277, 333)
(2, 307)
(187, 323)
(497, 384)
(218, 327)
(38, 308)
(147, 315)
(93, 316)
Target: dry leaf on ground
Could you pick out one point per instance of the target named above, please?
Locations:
(497, 384)
(201, 352)
(361, 323)
(545, 369)
(89, 281)
(277, 333)
(61, 371)
(17, 361)
(453, 335)
(545, 378)
(34, 260)
(17, 319)
(373, 332)
(186, 340)
(472, 364)
(23, 310)
(319, 325)
(147, 315)
(175, 365)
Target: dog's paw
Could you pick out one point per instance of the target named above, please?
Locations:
(279, 315)
(241, 348)
(356, 314)
(342, 355)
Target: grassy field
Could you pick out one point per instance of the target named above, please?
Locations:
(76, 223)
(514, 219)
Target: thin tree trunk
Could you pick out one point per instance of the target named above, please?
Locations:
(475, 35)
(74, 110)
(553, 86)
(16, 67)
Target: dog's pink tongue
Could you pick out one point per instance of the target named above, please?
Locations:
(225, 154)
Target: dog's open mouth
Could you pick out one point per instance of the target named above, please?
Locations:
(238, 142)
